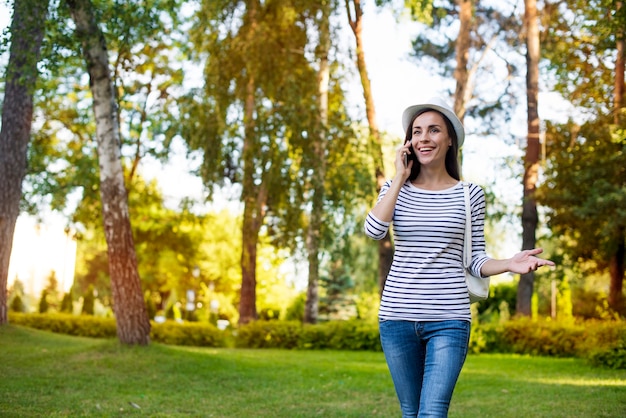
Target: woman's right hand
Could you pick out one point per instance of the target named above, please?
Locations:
(402, 170)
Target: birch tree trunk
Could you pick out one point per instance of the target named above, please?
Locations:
(311, 308)
(27, 30)
(355, 19)
(133, 325)
(531, 159)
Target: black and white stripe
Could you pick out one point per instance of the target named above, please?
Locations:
(426, 281)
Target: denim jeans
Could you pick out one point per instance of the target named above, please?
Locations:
(425, 360)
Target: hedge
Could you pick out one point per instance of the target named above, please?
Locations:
(601, 342)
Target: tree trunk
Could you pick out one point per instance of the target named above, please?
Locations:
(254, 198)
(461, 51)
(311, 309)
(27, 30)
(616, 263)
(133, 325)
(616, 271)
(531, 159)
(620, 68)
(385, 247)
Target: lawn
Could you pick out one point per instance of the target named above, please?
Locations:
(50, 375)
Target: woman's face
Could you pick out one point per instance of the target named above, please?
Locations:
(430, 139)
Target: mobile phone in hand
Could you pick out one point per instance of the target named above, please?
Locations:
(406, 154)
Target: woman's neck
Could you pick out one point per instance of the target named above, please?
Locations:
(434, 180)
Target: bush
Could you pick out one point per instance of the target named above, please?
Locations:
(613, 357)
(546, 337)
(63, 323)
(336, 335)
(43, 302)
(17, 305)
(603, 343)
(269, 334)
(341, 335)
(89, 301)
(188, 333)
(67, 304)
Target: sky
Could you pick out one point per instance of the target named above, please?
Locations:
(397, 82)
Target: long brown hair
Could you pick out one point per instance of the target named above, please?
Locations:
(452, 161)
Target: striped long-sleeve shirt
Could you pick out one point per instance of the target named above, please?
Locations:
(426, 281)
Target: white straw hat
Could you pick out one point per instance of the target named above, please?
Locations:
(440, 105)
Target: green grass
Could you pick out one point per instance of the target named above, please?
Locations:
(50, 375)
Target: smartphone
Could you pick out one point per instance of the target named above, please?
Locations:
(406, 155)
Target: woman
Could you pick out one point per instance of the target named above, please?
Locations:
(424, 312)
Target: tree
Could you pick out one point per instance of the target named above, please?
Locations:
(89, 300)
(584, 188)
(530, 217)
(44, 306)
(319, 155)
(27, 33)
(257, 110)
(355, 19)
(67, 304)
(133, 326)
(481, 48)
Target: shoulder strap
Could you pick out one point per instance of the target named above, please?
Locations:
(467, 240)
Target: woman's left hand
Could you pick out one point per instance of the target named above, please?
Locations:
(525, 261)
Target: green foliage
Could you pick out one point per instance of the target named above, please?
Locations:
(602, 343)
(89, 300)
(613, 357)
(295, 311)
(84, 326)
(43, 302)
(269, 334)
(17, 305)
(336, 335)
(187, 333)
(500, 303)
(67, 303)
(335, 302)
(142, 41)
(15, 296)
(579, 44)
(584, 189)
(546, 337)
(341, 335)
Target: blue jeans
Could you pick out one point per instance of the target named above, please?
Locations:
(425, 360)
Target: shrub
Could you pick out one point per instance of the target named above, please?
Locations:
(269, 334)
(17, 305)
(603, 343)
(43, 302)
(336, 335)
(612, 356)
(188, 333)
(546, 337)
(67, 305)
(63, 323)
(352, 335)
(89, 301)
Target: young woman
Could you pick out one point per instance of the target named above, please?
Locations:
(424, 315)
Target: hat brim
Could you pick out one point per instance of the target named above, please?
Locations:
(411, 111)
